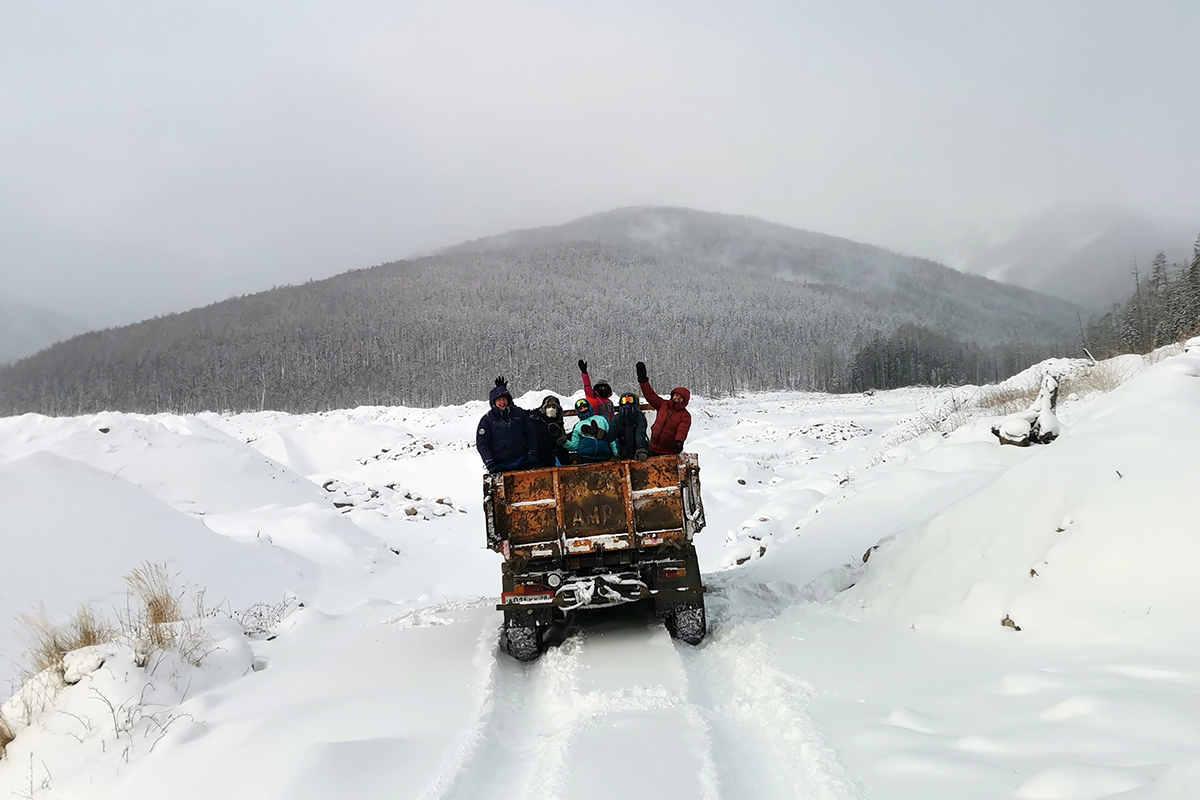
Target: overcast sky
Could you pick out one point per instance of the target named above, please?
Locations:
(156, 156)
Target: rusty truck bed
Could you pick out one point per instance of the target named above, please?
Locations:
(591, 508)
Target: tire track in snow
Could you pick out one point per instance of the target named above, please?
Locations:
(521, 744)
(656, 686)
(742, 717)
(508, 752)
(767, 746)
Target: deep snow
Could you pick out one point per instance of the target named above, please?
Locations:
(822, 677)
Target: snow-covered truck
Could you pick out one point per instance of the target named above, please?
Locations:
(591, 536)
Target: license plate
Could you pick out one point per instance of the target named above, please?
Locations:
(526, 599)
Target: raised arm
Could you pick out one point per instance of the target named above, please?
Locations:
(644, 381)
(587, 386)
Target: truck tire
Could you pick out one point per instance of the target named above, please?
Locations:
(523, 642)
(688, 623)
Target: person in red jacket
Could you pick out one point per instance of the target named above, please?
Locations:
(672, 420)
(600, 397)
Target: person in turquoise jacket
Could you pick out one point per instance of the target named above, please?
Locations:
(587, 438)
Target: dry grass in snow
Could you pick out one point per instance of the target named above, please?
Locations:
(6, 734)
(1003, 400)
(1100, 379)
(48, 643)
(153, 621)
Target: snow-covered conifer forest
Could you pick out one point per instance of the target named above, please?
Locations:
(714, 302)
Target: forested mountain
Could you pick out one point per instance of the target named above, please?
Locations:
(714, 302)
(25, 329)
(1084, 254)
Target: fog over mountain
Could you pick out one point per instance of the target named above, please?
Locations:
(715, 302)
(1085, 254)
(161, 156)
(25, 328)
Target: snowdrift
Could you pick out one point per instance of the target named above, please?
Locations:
(1087, 541)
(824, 676)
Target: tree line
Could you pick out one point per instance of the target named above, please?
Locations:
(916, 356)
(1164, 307)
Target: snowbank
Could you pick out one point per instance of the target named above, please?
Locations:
(71, 532)
(1089, 540)
(823, 676)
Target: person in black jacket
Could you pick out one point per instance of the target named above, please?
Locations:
(548, 423)
(628, 429)
(506, 439)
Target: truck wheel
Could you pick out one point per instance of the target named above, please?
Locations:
(688, 623)
(523, 642)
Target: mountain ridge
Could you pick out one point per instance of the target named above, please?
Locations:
(716, 302)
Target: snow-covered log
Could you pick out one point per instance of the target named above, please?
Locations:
(1037, 424)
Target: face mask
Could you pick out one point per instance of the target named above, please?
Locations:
(551, 411)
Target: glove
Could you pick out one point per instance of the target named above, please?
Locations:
(591, 430)
(583, 366)
(641, 372)
(561, 440)
(500, 381)
(531, 460)
(491, 467)
(678, 447)
(641, 455)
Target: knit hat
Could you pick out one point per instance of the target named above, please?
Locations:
(500, 390)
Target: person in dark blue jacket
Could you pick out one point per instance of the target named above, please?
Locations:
(506, 439)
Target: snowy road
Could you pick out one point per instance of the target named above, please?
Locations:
(822, 677)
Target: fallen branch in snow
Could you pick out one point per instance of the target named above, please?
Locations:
(1038, 424)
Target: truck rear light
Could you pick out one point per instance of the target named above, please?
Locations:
(530, 588)
(672, 572)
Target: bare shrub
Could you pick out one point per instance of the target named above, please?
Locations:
(950, 413)
(1164, 352)
(48, 643)
(260, 618)
(6, 734)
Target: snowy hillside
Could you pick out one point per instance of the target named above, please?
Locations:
(415, 332)
(371, 669)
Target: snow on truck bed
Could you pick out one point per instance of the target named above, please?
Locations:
(823, 676)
